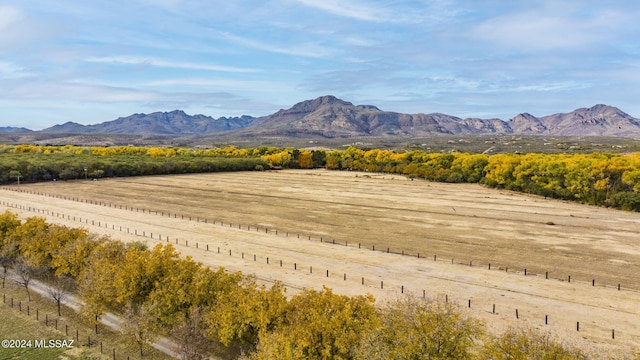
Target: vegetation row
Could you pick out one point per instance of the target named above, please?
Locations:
(598, 179)
(213, 312)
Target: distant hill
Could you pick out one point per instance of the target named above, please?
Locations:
(330, 117)
(14, 130)
(163, 123)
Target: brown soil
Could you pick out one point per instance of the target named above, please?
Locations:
(282, 217)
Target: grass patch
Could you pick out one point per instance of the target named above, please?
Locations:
(37, 320)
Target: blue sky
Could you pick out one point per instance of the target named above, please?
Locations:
(93, 61)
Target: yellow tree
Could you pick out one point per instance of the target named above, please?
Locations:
(277, 159)
(9, 222)
(305, 159)
(174, 294)
(527, 343)
(319, 325)
(8, 250)
(141, 271)
(74, 256)
(39, 242)
(247, 312)
(96, 281)
(412, 328)
(31, 240)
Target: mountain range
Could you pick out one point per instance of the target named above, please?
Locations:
(330, 117)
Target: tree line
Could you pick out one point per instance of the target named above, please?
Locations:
(211, 311)
(597, 179)
(32, 163)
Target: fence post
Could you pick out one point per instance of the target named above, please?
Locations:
(517, 317)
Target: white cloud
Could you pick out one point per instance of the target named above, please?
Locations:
(549, 29)
(350, 9)
(247, 86)
(10, 70)
(9, 16)
(134, 60)
(306, 50)
(366, 11)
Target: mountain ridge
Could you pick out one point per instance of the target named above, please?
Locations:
(331, 117)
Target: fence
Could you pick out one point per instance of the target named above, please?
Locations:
(520, 270)
(295, 265)
(73, 335)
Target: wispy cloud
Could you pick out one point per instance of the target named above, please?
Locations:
(368, 11)
(134, 60)
(307, 49)
(350, 9)
(550, 28)
(9, 16)
(9, 70)
(18, 29)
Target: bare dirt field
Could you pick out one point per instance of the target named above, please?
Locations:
(564, 267)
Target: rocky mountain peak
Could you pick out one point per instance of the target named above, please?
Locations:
(315, 104)
(328, 116)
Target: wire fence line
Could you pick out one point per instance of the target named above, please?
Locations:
(249, 256)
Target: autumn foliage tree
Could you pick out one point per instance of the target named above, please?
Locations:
(412, 328)
(319, 325)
